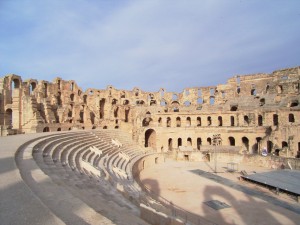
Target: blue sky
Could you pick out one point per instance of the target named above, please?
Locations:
(147, 43)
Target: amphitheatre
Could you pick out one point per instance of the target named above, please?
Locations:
(224, 154)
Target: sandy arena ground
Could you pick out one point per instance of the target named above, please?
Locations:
(177, 182)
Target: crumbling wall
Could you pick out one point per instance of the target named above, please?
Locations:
(251, 112)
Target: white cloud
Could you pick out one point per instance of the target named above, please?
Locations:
(151, 44)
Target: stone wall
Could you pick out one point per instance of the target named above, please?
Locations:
(250, 112)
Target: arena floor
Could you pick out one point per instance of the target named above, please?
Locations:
(190, 184)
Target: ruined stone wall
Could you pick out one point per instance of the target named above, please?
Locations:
(250, 112)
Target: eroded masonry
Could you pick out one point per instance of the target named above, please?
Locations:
(248, 114)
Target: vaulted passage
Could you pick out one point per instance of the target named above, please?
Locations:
(150, 139)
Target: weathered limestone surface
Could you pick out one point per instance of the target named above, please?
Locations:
(250, 112)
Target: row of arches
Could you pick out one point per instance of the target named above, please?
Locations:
(176, 143)
(217, 121)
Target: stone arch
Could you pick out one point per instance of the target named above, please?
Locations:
(8, 117)
(231, 141)
(159, 121)
(208, 121)
(220, 121)
(127, 111)
(46, 129)
(245, 142)
(275, 119)
(246, 120)
(92, 116)
(189, 142)
(260, 120)
(291, 118)
(232, 121)
(178, 122)
(146, 122)
(101, 108)
(170, 144)
(208, 141)
(32, 87)
(198, 121)
(168, 122)
(150, 138)
(179, 142)
(199, 143)
(188, 121)
(270, 146)
(16, 83)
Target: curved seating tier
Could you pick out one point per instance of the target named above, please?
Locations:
(89, 158)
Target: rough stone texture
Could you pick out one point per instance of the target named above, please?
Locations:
(250, 112)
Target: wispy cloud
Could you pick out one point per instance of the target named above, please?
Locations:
(150, 44)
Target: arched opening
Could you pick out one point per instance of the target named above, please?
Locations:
(211, 100)
(200, 101)
(84, 99)
(58, 99)
(70, 128)
(187, 103)
(8, 118)
(92, 116)
(59, 129)
(198, 121)
(72, 97)
(245, 142)
(199, 143)
(238, 90)
(234, 108)
(284, 145)
(262, 102)
(189, 142)
(150, 139)
(178, 122)
(257, 145)
(208, 121)
(246, 120)
(94, 127)
(220, 121)
(127, 110)
(104, 127)
(146, 122)
(45, 90)
(291, 118)
(81, 114)
(159, 121)
(232, 121)
(116, 111)
(170, 144)
(188, 121)
(260, 120)
(101, 110)
(231, 141)
(269, 146)
(32, 87)
(16, 83)
(116, 127)
(275, 119)
(168, 122)
(253, 92)
(179, 142)
(208, 141)
(46, 129)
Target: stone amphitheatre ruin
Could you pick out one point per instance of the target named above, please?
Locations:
(72, 140)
